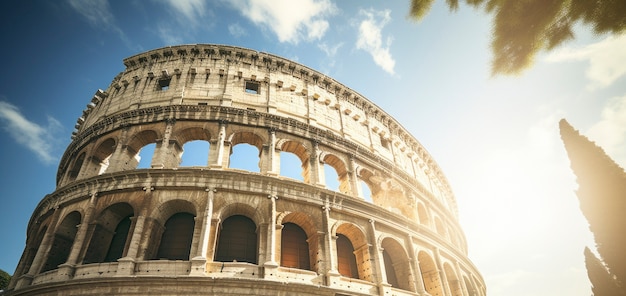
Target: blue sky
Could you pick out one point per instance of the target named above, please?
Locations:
(496, 139)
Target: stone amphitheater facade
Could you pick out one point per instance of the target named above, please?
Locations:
(390, 228)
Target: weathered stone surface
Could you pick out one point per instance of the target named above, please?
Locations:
(161, 230)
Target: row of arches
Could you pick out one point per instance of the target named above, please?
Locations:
(173, 233)
(222, 146)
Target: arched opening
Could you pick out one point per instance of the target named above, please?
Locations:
(470, 288)
(346, 260)
(237, 240)
(422, 214)
(392, 279)
(453, 281)
(176, 238)
(101, 156)
(245, 157)
(30, 252)
(430, 274)
(110, 234)
(339, 170)
(294, 248)
(331, 178)
(75, 170)
(294, 161)
(367, 193)
(195, 153)
(396, 264)
(360, 251)
(441, 230)
(63, 241)
(144, 157)
(290, 166)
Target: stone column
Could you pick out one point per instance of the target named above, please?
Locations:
(42, 252)
(316, 170)
(218, 161)
(442, 273)
(464, 288)
(198, 261)
(166, 153)
(417, 274)
(66, 270)
(270, 254)
(354, 178)
(126, 264)
(380, 277)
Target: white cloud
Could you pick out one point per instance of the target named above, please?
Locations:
(607, 60)
(610, 132)
(168, 35)
(370, 38)
(39, 139)
(236, 30)
(191, 9)
(291, 21)
(330, 51)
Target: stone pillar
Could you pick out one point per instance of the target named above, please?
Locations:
(217, 162)
(126, 264)
(166, 154)
(198, 261)
(464, 288)
(329, 241)
(42, 252)
(270, 254)
(417, 274)
(211, 245)
(442, 273)
(354, 178)
(379, 276)
(119, 157)
(272, 161)
(316, 170)
(66, 270)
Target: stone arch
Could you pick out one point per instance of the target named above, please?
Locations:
(471, 290)
(74, 171)
(453, 280)
(371, 180)
(33, 242)
(246, 137)
(300, 241)
(99, 160)
(422, 215)
(184, 136)
(340, 167)
(134, 146)
(396, 263)
(238, 208)
(299, 150)
(158, 227)
(165, 210)
(440, 228)
(63, 240)
(430, 274)
(110, 234)
(237, 240)
(177, 237)
(360, 249)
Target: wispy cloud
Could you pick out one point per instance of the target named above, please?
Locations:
(606, 58)
(330, 51)
(98, 14)
(370, 37)
(610, 131)
(167, 35)
(191, 9)
(291, 21)
(236, 30)
(41, 140)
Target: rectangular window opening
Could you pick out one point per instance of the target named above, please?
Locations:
(252, 87)
(384, 143)
(164, 84)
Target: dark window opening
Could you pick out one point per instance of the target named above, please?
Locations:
(346, 257)
(252, 87)
(384, 143)
(177, 237)
(294, 247)
(116, 248)
(237, 240)
(392, 279)
(164, 84)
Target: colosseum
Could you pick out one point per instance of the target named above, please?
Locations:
(113, 227)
